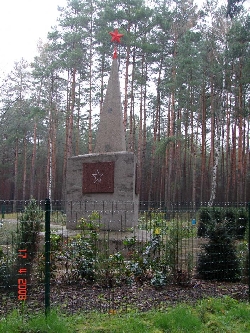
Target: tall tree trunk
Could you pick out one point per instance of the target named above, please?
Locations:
(49, 168)
(228, 149)
(131, 113)
(217, 142)
(77, 141)
(15, 194)
(203, 145)
(125, 109)
(24, 167)
(233, 163)
(33, 161)
(240, 140)
(156, 133)
(90, 132)
(214, 172)
(141, 134)
(69, 123)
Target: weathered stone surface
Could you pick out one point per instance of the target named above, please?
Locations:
(118, 210)
(111, 134)
(105, 181)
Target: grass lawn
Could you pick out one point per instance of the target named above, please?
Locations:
(210, 315)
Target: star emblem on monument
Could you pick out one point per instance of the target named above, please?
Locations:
(97, 176)
(116, 37)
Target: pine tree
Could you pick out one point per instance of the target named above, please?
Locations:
(219, 261)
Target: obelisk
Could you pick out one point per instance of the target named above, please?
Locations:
(105, 181)
(111, 134)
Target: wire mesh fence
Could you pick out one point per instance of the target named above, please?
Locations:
(172, 252)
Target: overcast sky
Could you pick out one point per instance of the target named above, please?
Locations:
(22, 24)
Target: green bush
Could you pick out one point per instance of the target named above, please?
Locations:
(84, 258)
(235, 220)
(4, 269)
(159, 280)
(30, 226)
(219, 261)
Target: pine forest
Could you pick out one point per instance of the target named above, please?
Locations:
(185, 87)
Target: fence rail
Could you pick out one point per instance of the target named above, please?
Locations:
(183, 252)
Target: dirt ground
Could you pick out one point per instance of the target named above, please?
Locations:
(83, 298)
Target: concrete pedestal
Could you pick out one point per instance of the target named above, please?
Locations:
(104, 183)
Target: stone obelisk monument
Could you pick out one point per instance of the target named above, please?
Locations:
(111, 134)
(105, 181)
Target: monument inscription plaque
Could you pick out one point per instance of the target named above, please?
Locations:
(98, 177)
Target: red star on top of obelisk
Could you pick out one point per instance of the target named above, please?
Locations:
(116, 37)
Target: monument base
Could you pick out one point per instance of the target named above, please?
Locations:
(104, 183)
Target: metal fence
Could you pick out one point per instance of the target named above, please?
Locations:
(182, 253)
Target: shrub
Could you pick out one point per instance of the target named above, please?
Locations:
(24, 238)
(4, 269)
(81, 257)
(219, 260)
(30, 225)
(235, 221)
(159, 280)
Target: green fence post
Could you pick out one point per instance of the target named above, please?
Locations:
(3, 211)
(249, 251)
(47, 256)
